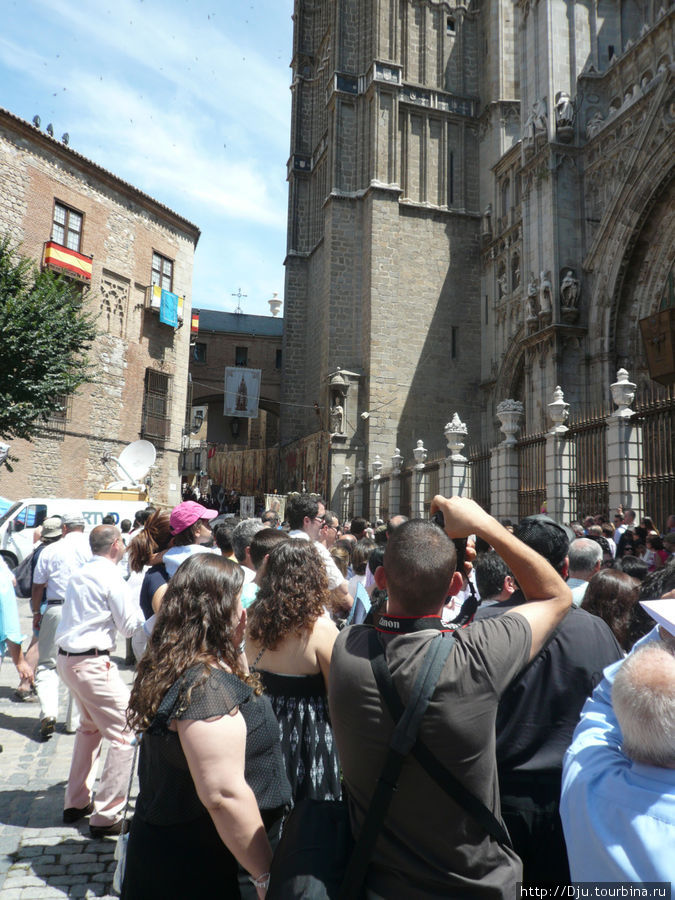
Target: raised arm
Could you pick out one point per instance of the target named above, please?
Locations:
(215, 751)
(549, 598)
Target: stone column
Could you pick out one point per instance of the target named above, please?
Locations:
(375, 489)
(455, 472)
(504, 462)
(419, 481)
(395, 484)
(558, 463)
(358, 489)
(624, 448)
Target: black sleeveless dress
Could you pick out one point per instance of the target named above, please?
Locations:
(174, 849)
(307, 744)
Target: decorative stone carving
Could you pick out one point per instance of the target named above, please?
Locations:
(510, 414)
(455, 433)
(569, 295)
(502, 285)
(594, 124)
(420, 455)
(558, 412)
(346, 477)
(531, 300)
(360, 473)
(337, 417)
(564, 116)
(545, 295)
(536, 124)
(515, 271)
(377, 466)
(396, 462)
(486, 221)
(623, 394)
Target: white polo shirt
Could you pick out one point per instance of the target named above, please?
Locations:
(60, 560)
(334, 575)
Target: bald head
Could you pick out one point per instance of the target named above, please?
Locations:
(643, 697)
(105, 540)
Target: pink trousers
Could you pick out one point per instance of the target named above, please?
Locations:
(102, 698)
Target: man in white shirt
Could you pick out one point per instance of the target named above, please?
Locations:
(585, 559)
(305, 514)
(55, 565)
(98, 604)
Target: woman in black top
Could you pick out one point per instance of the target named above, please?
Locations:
(212, 780)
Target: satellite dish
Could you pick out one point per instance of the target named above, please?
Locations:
(135, 461)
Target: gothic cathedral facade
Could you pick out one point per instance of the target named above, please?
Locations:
(481, 208)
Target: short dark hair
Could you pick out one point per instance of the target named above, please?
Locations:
(376, 558)
(547, 537)
(142, 515)
(633, 566)
(491, 570)
(108, 520)
(360, 555)
(270, 517)
(222, 535)
(125, 526)
(299, 507)
(658, 583)
(419, 562)
(358, 525)
(262, 543)
(347, 545)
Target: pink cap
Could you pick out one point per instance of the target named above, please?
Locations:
(186, 514)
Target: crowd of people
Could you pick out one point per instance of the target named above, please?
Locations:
(257, 643)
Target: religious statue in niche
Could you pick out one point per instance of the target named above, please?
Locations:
(337, 419)
(486, 220)
(564, 116)
(536, 124)
(545, 295)
(569, 295)
(515, 271)
(501, 282)
(531, 299)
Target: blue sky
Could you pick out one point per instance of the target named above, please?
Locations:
(188, 100)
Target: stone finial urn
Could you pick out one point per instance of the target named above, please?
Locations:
(376, 466)
(420, 455)
(396, 462)
(510, 413)
(623, 394)
(360, 473)
(455, 435)
(558, 412)
(275, 304)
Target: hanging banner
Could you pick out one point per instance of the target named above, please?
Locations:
(168, 309)
(242, 391)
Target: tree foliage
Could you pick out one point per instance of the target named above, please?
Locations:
(44, 337)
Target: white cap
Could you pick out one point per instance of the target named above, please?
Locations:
(662, 611)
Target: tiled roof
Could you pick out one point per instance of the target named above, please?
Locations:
(239, 323)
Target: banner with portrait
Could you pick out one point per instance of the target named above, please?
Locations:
(242, 391)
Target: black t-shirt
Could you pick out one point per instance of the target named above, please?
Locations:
(167, 793)
(154, 578)
(540, 709)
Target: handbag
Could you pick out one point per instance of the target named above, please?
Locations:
(317, 858)
(123, 839)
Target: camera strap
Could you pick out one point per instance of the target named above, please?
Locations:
(388, 624)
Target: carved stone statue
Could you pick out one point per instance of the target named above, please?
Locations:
(569, 290)
(594, 124)
(501, 283)
(545, 293)
(530, 310)
(486, 220)
(564, 110)
(337, 419)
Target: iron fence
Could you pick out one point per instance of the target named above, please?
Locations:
(531, 451)
(655, 412)
(589, 486)
(479, 457)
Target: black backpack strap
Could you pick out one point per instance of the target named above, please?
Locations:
(435, 769)
(402, 741)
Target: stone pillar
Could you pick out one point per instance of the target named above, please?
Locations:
(624, 448)
(358, 489)
(455, 470)
(558, 465)
(504, 463)
(395, 484)
(346, 482)
(419, 481)
(375, 489)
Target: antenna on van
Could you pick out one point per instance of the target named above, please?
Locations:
(132, 464)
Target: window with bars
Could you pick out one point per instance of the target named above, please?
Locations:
(156, 406)
(67, 227)
(162, 271)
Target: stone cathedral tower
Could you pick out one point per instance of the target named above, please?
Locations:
(480, 208)
(382, 271)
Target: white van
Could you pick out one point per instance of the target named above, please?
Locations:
(19, 522)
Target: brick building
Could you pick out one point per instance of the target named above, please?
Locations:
(66, 212)
(480, 209)
(229, 339)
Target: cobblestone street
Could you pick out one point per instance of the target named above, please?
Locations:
(40, 857)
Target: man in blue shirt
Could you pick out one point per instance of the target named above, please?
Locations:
(618, 792)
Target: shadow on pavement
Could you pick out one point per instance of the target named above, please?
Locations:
(33, 809)
(84, 866)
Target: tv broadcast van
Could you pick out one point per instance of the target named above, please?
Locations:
(18, 523)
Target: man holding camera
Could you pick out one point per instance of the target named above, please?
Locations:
(429, 845)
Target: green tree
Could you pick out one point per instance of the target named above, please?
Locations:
(44, 337)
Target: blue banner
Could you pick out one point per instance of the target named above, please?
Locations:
(168, 309)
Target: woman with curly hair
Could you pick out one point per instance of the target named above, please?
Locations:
(289, 642)
(212, 780)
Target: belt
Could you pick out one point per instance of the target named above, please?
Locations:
(54, 602)
(93, 652)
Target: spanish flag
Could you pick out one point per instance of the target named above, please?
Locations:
(66, 261)
(194, 323)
